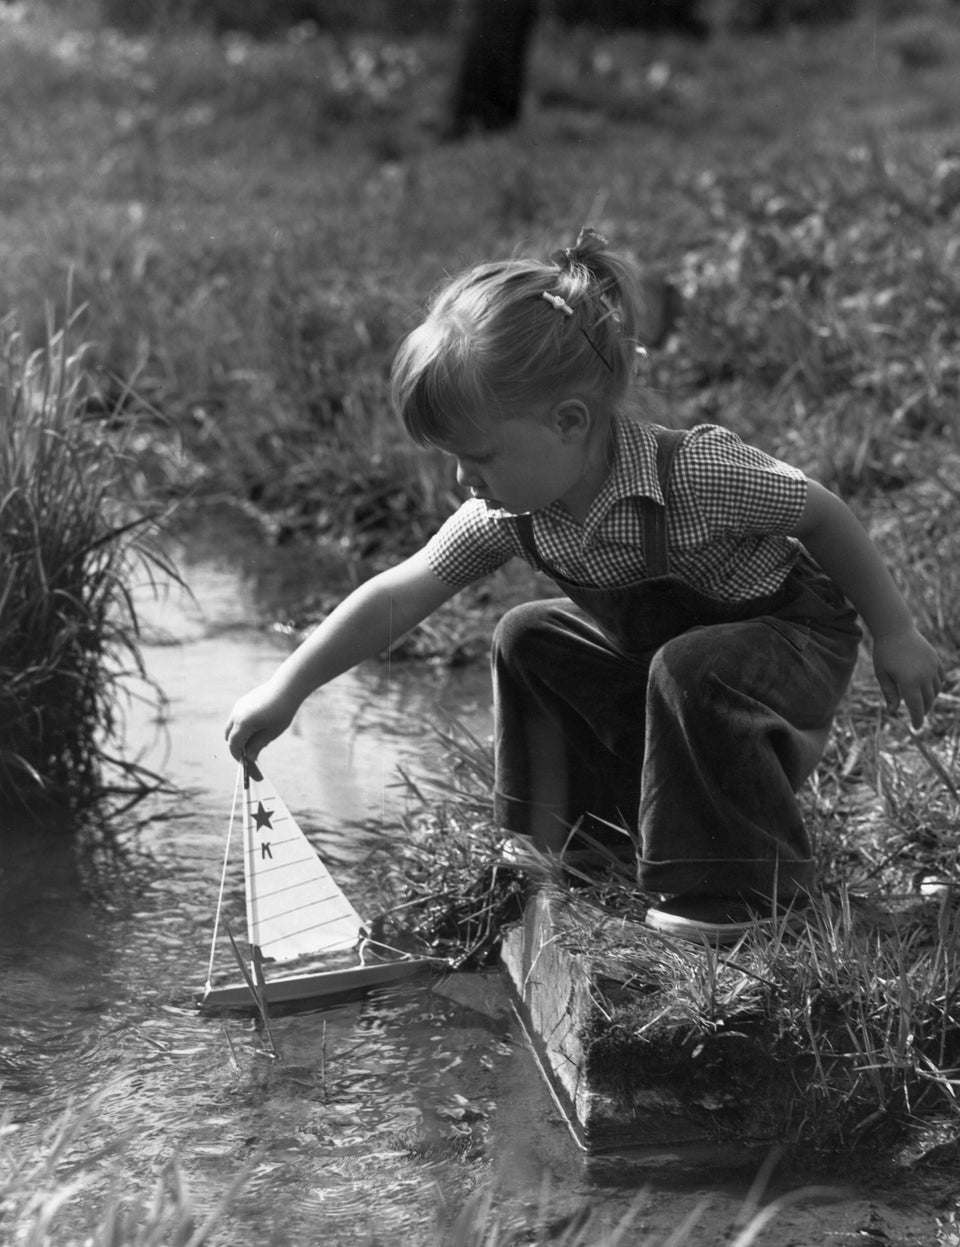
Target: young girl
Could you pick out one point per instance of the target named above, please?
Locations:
(684, 685)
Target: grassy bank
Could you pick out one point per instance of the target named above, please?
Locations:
(837, 1037)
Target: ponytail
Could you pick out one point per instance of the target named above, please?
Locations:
(590, 271)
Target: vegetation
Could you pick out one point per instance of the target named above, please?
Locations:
(840, 1031)
(252, 225)
(257, 298)
(38, 1180)
(68, 622)
(695, 18)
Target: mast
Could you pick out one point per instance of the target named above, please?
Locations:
(248, 869)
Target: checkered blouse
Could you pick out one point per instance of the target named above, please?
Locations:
(731, 508)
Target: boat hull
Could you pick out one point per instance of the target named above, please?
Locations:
(320, 986)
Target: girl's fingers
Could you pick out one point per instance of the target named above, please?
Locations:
(236, 743)
(891, 694)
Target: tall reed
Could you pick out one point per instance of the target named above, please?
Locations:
(70, 541)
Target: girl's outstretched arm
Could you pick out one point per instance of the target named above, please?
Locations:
(365, 623)
(907, 666)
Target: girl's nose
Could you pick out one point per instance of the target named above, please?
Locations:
(465, 478)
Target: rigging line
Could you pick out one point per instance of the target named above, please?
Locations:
(223, 877)
(383, 765)
(403, 954)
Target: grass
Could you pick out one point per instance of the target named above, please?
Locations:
(840, 1035)
(71, 544)
(252, 225)
(40, 1179)
(483, 1224)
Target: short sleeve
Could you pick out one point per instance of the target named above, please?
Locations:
(739, 489)
(471, 544)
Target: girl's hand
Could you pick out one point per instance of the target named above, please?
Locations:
(259, 717)
(908, 669)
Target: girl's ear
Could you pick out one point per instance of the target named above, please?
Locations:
(570, 419)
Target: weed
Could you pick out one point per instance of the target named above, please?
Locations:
(71, 541)
(40, 1179)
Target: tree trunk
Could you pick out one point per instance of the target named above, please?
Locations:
(488, 89)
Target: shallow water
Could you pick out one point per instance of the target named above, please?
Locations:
(380, 1116)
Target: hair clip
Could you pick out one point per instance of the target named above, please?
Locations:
(560, 304)
(563, 306)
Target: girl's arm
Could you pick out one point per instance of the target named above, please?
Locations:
(907, 666)
(365, 623)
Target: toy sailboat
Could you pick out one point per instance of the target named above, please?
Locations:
(296, 915)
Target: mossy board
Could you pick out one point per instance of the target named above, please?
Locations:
(555, 992)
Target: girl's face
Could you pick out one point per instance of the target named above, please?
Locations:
(525, 463)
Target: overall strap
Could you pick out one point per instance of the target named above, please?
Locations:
(525, 531)
(655, 516)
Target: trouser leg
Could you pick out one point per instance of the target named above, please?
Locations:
(553, 666)
(737, 718)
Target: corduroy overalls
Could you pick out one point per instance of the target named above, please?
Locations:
(689, 721)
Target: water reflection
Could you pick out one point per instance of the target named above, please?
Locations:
(338, 763)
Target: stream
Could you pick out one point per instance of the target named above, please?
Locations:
(380, 1117)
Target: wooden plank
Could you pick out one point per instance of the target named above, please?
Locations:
(555, 995)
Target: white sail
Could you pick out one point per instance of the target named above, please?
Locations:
(294, 908)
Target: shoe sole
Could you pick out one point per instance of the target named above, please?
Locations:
(791, 921)
(700, 932)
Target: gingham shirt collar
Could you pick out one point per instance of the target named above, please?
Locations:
(633, 474)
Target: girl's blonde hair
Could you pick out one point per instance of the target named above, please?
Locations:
(503, 336)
